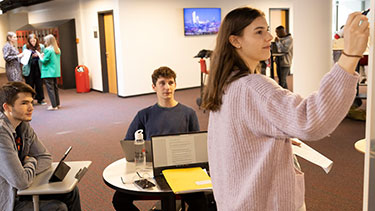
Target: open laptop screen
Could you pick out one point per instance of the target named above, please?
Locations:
(179, 150)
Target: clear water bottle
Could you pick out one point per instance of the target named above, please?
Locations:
(140, 151)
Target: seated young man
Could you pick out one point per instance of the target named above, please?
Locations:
(167, 116)
(23, 155)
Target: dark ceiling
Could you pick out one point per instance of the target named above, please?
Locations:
(7, 5)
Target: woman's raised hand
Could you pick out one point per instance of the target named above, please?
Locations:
(356, 34)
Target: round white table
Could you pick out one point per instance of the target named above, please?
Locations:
(121, 174)
(360, 145)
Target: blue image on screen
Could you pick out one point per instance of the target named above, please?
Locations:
(201, 21)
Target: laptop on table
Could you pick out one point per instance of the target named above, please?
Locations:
(128, 149)
(184, 150)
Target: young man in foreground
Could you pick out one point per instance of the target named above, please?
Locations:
(23, 155)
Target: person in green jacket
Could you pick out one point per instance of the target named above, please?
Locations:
(31, 71)
(51, 70)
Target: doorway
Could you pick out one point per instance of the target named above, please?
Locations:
(107, 52)
(279, 16)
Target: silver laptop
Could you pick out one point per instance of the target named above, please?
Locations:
(128, 149)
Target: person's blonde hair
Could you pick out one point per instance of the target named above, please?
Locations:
(10, 35)
(50, 40)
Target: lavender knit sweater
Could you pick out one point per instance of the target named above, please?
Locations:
(249, 150)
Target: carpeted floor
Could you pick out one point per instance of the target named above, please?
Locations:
(94, 122)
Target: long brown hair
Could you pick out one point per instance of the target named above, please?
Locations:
(30, 46)
(225, 60)
(50, 40)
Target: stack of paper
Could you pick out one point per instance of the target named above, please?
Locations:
(312, 155)
(187, 180)
(26, 56)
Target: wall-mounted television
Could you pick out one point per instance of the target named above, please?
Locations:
(201, 21)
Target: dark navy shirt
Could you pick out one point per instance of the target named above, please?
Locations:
(156, 120)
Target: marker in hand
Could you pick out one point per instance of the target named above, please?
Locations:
(340, 33)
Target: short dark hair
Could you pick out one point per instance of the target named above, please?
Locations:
(164, 72)
(9, 91)
(280, 28)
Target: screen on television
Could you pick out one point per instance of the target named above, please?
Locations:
(201, 21)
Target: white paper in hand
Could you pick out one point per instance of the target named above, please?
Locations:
(26, 56)
(308, 153)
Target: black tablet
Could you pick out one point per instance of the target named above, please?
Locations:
(62, 169)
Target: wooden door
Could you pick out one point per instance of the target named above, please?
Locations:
(110, 53)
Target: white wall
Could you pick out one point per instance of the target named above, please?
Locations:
(156, 39)
(312, 44)
(369, 166)
(85, 13)
(17, 20)
(148, 34)
(91, 57)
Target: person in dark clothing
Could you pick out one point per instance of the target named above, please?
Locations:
(284, 43)
(167, 116)
(31, 71)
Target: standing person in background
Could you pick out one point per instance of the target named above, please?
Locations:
(51, 70)
(31, 71)
(11, 57)
(252, 118)
(284, 43)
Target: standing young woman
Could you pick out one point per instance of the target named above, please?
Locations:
(31, 71)
(11, 57)
(252, 118)
(51, 70)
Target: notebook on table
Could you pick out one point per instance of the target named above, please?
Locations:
(184, 150)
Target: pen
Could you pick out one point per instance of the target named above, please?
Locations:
(366, 11)
(341, 32)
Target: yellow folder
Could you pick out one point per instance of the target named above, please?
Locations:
(187, 180)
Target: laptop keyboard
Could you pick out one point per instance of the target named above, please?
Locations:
(162, 183)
